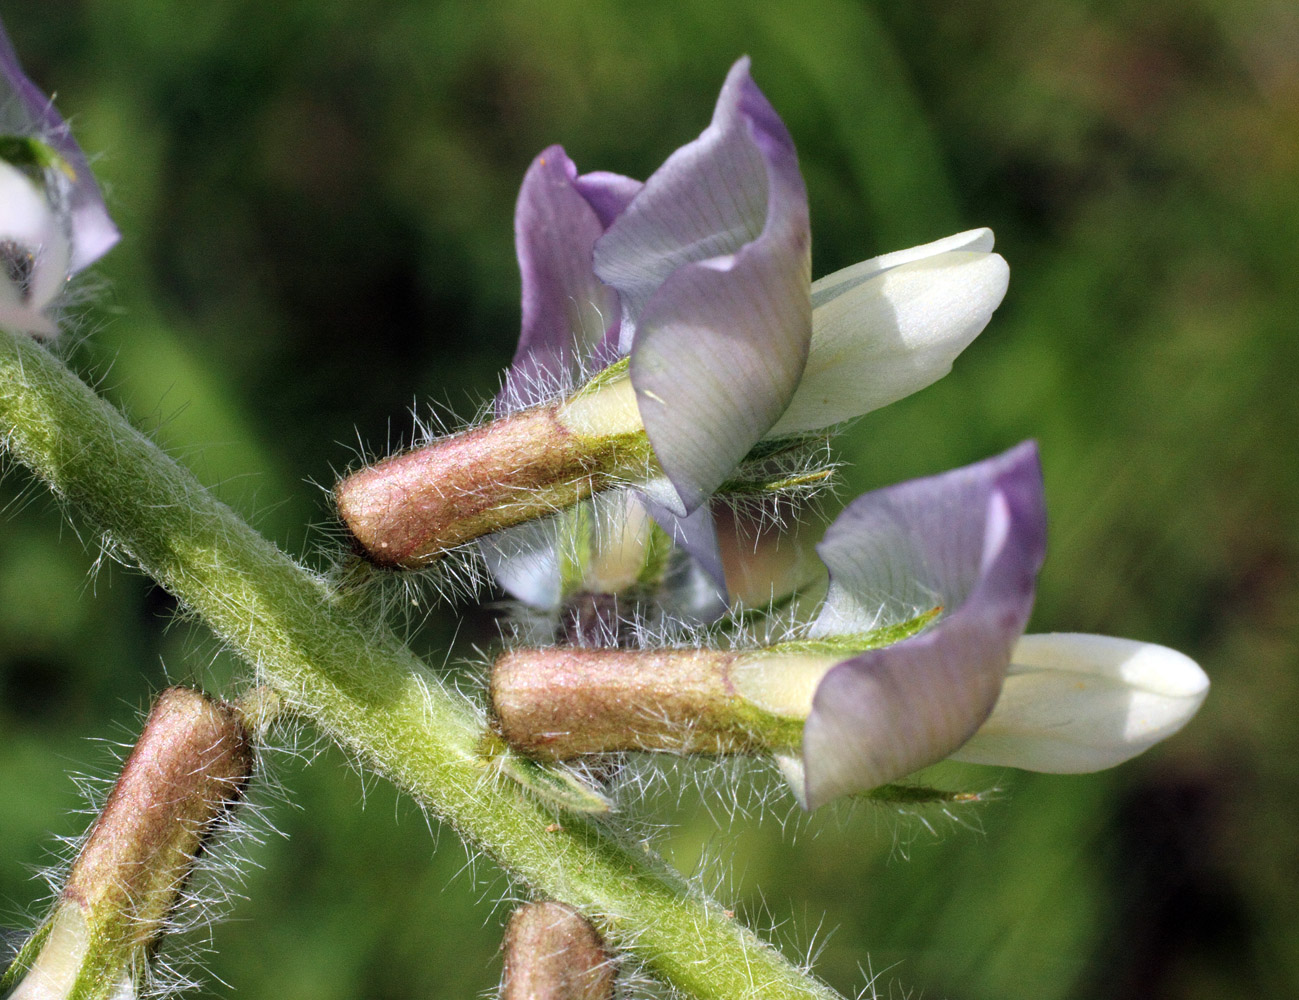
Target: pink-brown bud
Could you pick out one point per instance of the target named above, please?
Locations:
(553, 953)
(192, 761)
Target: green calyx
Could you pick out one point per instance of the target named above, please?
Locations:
(853, 643)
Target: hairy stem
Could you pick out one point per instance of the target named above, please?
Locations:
(361, 684)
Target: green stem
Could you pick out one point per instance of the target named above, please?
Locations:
(362, 685)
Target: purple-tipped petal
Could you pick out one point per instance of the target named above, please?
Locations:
(26, 112)
(607, 193)
(971, 541)
(567, 310)
(712, 263)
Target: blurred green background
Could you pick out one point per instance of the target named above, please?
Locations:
(316, 203)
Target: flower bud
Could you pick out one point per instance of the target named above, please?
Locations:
(191, 762)
(553, 953)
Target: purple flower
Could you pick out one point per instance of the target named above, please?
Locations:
(700, 278)
(931, 586)
(53, 222)
(916, 653)
(965, 545)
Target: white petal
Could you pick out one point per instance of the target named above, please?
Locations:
(1076, 703)
(28, 222)
(883, 338)
(25, 214)
(525, 561)
(62, 957)
(845, 279)
(20, 317)
(791, 769)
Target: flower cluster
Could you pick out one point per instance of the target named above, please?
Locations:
(916, 651)
(673, 342)
(53, 222)
(674, 352)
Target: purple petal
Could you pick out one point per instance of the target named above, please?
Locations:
(712, 263)
(567, 310)
(971, 541)
(703, 592)
(607, 194)
(524, 561)
(25, 111)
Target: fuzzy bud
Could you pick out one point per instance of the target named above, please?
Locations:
(190, 764)
(553, 953)
(411, 508)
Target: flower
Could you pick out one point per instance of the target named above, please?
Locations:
(53, 222)
(697, 285)
(931, 585)
(1076, 703)
(969, 687)
(699, 277)
(916, 653)
(964, 548)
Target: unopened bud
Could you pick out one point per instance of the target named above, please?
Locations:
(408, 510)
(191, 762)
(553, 953)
